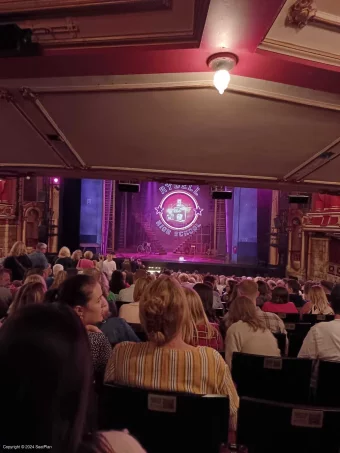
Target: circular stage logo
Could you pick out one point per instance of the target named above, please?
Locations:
(179, 210)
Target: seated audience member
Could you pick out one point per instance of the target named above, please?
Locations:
(323, 339)
(201, 332)
(207, 297)
(129, 279)
(18, 261)
(271, 321)
(280, 302)
(87, 261)
(281, 283)
(247, 332)
(271, 284)
(184, 280)
(84, 294)
(211, 281)
(222, 282)
(117, 283)
(109, 265)
(55, 269)
(38, 258)
(231, 294)
(318, 302)
(28, 294)
(327, 287)
(306, 288)
(75, 257)
(36, 278)
(116, 330)
(64, 258)
(48, 387)
(166, 362)
(294, 288)
(126, 295)
(264, 293)
(130, 312)
(5, 293)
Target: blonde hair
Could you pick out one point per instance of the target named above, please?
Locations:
(64, 252)
(88, 255)
(18, 249)
(30, 293)
(140, 285)
(35, 278)
(318, 299)
(59, 279)
(163, 310)
(197, 317)
(183, 278)
(76, 255)
(243, 309)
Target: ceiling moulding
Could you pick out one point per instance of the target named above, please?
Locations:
(305, 12)
(30, 9)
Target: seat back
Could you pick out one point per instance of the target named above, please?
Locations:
(328, 381)
(314, 319)
(272, 378)
(267, 427)
(289, 317)
(281, 342)
(296, 334)
(166, 422)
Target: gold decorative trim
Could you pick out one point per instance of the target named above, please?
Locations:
(300, 13)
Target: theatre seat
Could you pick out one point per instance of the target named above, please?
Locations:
(281, 342)
(166, 422)
(272, 378)
(289, 317)
(296, 334)
(271, 427)
(314, 319)
(327, 393)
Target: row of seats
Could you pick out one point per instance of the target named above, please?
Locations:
(312, 319)
(171, 422)
(286, 379)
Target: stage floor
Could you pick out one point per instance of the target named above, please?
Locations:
(174, 258)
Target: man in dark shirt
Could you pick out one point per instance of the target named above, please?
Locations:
(294, 288)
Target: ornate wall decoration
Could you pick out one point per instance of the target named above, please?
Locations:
(300, 13)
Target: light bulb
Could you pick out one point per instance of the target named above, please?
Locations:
(221, 80)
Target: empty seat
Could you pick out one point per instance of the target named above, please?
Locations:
(314, 319)
(166, 422)
(272, 378)
(327, 384)
(268, 427)
(289, 317)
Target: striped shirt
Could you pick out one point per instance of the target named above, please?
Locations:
(200, 370)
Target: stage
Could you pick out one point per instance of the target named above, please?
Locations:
(201, 263)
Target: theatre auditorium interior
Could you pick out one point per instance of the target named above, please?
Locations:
(170, 226)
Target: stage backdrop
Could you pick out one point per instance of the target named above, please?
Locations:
(171, 217)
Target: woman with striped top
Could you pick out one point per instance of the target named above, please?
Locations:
(166, 362)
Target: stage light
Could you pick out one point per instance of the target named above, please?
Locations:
(181, 258)
(55, 180)
(222, 63)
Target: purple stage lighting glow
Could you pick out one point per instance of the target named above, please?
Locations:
(55, 180)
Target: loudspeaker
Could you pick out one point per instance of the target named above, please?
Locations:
(298, 199)
(127, 187)
(217, 195)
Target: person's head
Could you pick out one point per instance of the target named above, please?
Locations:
(129, 278)
(18, 249)
(280, 295)
(248, 288)
(117, 282)
(307, 286)
(76, 255)
(318, 298)
(28, 294)
(88, 255)
(100, 277)
(41, 247)
(183, 278)
(5, 278)
(326, 286)
(57, 268)
(206, 295)
(243, 309)
(84, 294)
(263, 288)
(105, 309)
(293, 286)
(281, 283)
(46, 374)
(335, 299)
(59, 279)
(140, 286)
(36, 278)
(109, 256)
(64, 252)
(271, 284)
(210, 280)
(163, 310)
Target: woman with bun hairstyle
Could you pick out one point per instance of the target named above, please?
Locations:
(166, 362)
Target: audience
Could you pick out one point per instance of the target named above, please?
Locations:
(280, 302)
(29, 293)
(5, 292)
(318, 302)
(84, 294)
(117, 283)
(47, 377)
(109, 265)
(36, 278)
(56, 268)
(64, 258)
(210, 280)
(200, 331)
(18, 261)
(306, 289)
(294, 289)
(247, 332)
(264, 293)
(166, 362)
(323, 339)
(87, 261)
(130, 312)
(38, 258)
(59, 279)
(207, 297)
(126, 294)
(75, 257)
